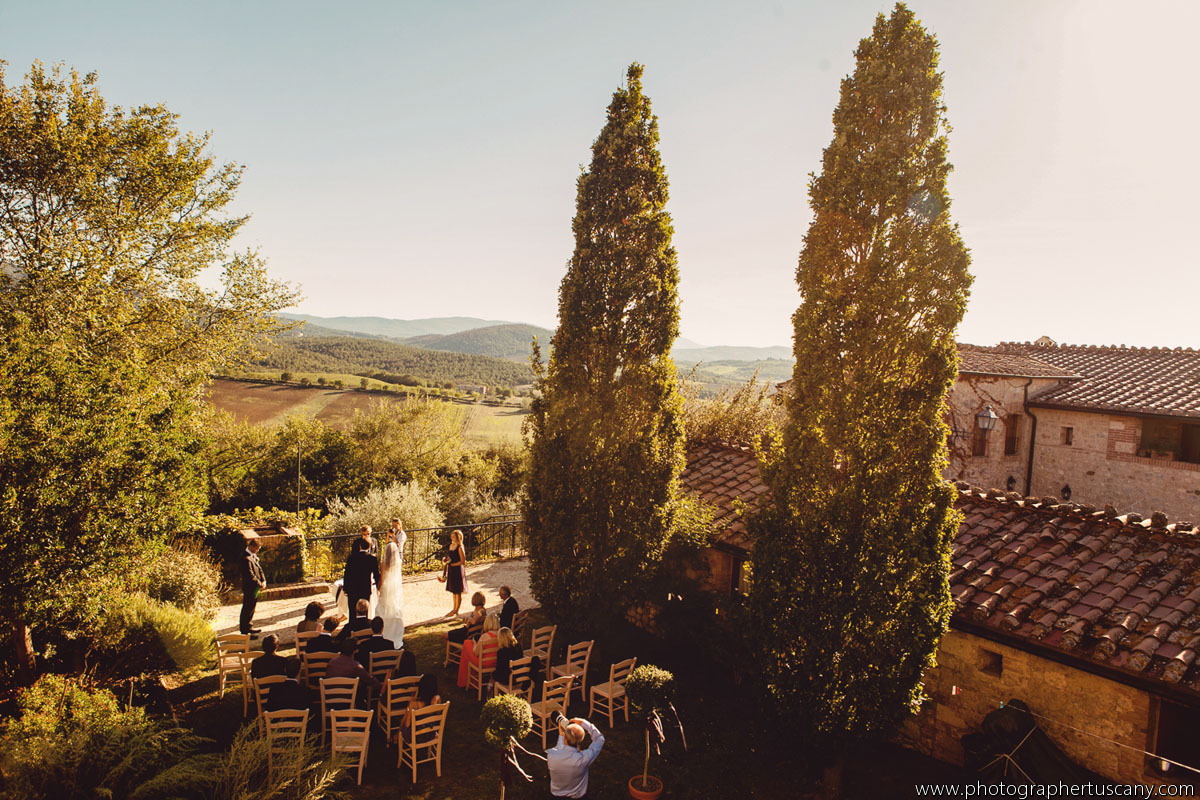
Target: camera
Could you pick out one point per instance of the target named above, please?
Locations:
(558, 718)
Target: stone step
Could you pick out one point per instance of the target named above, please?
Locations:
(284, 591)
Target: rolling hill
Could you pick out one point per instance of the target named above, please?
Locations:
(510, 341)
(397, 328)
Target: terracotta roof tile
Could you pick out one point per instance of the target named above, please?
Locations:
(975, 360)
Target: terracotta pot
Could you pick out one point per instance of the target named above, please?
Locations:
(652, 792)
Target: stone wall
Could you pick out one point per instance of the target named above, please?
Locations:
(988, 674)
(1102, 466)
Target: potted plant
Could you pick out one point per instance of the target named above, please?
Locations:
(650, 690)
(506, 719)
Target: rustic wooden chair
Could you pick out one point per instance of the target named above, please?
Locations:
(424, 740)
(313, 665)
(542, 641)
(246, 659)
(230, 646)
(302, 640)
(360, 636)
(262, 691)
(337, 694)
(381, 666)
(578, 656)
(454, 649)
(479, 668)
(609, 696)
(519, 621)
(520, 681)
(285, 735)
(351, 733)
(555, 696)
(397, 693)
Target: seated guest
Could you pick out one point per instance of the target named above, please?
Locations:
(491, 626)
(510, 650)
(427, 695)
(360, 623)
(270, 662)
(509, 609)
(344, 665)
(312, 618)
(289, 694)
(324, 643)
(472, 623)
(407, 666)
(374, 643)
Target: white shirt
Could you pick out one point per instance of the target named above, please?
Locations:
(569, 765)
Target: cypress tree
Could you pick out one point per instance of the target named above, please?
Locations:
(606, 427)
(851, 559)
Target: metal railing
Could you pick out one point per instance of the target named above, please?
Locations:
(499, 537)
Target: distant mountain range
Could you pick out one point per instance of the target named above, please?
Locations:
(396, 328)
(510, 340)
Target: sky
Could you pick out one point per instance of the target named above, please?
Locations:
(412, 160)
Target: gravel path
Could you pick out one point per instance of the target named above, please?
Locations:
(425, 599)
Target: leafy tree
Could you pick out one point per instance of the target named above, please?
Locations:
(107, 217)
(607, 430)
(850, 562)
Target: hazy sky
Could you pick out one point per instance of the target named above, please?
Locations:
(410, 159)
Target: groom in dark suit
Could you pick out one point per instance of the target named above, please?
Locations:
(253, 581)
(361, 569)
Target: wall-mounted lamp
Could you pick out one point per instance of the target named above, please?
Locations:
(1066, 492)
(1011, 483)
(986, 420)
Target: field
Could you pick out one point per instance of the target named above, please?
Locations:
(270, 404)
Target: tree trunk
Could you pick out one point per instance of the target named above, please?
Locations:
(831, 781)
(21, 646)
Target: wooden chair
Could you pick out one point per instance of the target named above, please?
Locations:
(360, 636)
(542, 641)
(479, 670)
(262, 689)
(555, 696)
(424, 741)
(337, 694)
(520, 619)
(383, 663)
(397, 693)
(454, 649)
(519, 680)
(302, 640)
(230, 646)
(578, 656)
(351, 733)
(313, 665)
(611, 695)
(285, 734)
(246, 659)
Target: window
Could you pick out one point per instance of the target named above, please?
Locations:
(1012, 424)
(979, 442)
(1170, 440)
(991, 663)
(1174, 738)
(1068, 435)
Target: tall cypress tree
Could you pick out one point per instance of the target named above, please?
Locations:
(851, 559)
(606, 428)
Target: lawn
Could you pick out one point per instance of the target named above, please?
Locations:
(730, 754)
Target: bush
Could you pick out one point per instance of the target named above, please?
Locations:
(650, 688)
(184, 575)
(71, 742)
(416, 505)
(503, 717)
(140, 635)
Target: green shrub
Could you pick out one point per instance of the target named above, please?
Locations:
(505, 717)
(70, 742)
(140, 635)
(415, 504)
(650, 688)
(184, 575)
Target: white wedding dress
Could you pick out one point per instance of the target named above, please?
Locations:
(391, 591)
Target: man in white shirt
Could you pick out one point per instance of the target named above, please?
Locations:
(569, 762)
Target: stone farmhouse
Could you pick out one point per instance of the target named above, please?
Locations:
(1090, 617)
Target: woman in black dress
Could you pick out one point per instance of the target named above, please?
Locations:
(456, 570)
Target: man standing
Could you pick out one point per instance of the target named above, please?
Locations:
(568, 761)
(365, 533)
(362, 569)
(253, 581)
(509, 609)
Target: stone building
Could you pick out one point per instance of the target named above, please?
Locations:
(1091, 618)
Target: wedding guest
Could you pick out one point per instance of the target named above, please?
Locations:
(509, 609)
(253, 581)
(356, 623)
(510, 650)
(312, 618)
(427, 695)
(289, 694)
(270, 662)
(568, 761)
(325, 642)
(472, 624)
(456, 570)
(374, 643)
(344, 665)
(471, 647)
(407, 666)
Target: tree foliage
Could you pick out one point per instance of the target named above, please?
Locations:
(107, 219)
(850, 562)
(607, 430)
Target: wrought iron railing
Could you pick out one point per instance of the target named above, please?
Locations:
(498, 537)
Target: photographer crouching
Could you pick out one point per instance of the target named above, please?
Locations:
(569, 761)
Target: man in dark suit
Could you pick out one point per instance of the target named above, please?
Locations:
(270, 662)
(362, 569)
(509, 609)
(324, 643)
(375, 643)
(289, 694)
(253, 581)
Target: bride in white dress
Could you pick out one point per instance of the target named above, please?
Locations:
(391, 590)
